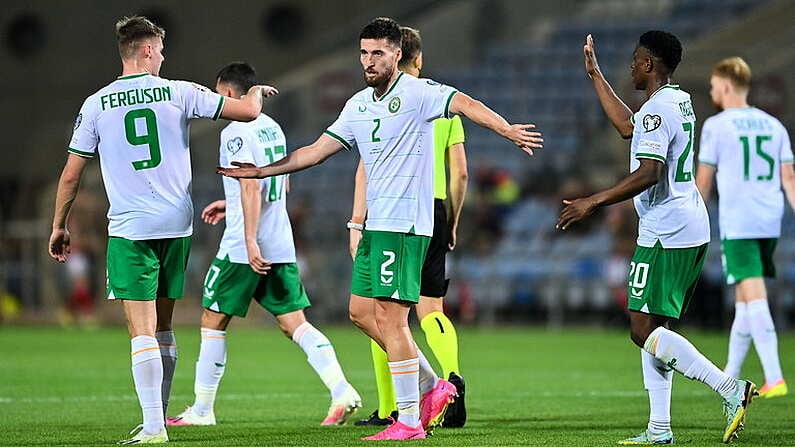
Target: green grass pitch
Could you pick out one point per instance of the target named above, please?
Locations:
(576, 387)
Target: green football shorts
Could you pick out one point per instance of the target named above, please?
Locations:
(662, 280)
(148, 269)
(229, 288)
(748, 258)
(389, 265)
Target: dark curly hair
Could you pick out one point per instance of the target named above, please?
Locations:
(664, 46)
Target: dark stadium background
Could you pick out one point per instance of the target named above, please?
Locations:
(522, 58)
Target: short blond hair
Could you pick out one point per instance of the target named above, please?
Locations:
(130, 31)
(736, 70)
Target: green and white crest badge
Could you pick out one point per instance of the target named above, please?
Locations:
(394, 104)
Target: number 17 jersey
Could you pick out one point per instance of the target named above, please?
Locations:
(139, 124)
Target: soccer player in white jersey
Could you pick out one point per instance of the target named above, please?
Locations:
(139, 123)
(751, 153)
(673, 232)
(440, 333)
(256, 260)
(387, 122)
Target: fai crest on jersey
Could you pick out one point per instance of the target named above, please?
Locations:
(651, 122)
(234, 145)
(78, 120)
(362, 108)
(394, 104)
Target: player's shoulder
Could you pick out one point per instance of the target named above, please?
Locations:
(759, 112)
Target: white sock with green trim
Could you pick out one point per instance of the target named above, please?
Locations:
(321, 356)
(657, 379)
(210, 369)
(678, 353)
(147, 371)
(739, 340)
(765, 339)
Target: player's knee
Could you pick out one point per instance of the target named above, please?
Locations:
(638, 337)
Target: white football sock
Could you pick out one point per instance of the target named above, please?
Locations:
(765, 340)
(321, 356)
(209, 369)
(739, 340)
(147, 371)
(657, 379)
(678, 353)
(428, 377)
(168, 354)
(405, 377)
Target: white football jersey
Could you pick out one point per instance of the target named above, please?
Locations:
(394, 135)
(260, 142)
(139, 124)
(747, 147)
(672, 211)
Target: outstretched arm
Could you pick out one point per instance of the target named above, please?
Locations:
(359, 208)
(618, 112)
(704, 176)
(648, 174)
(788, 182)
(459, 176)
(297, 160)
(248, 107)
(478, 112)
(68, 185)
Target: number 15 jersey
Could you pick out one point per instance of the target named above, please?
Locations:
(139, 124)
(671, 211)
(747, 147)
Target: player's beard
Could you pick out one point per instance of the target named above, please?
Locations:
(377, 80)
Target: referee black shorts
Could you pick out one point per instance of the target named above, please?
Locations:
(434, 280)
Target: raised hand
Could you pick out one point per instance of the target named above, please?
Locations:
(214, 212)
(524, 138)
(243, 170)
(575, 211)
(589, 51)
(58, 246)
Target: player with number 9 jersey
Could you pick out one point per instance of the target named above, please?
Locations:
(139, 124)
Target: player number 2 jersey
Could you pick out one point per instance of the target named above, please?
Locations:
(394, 135)
(139, 125)
(747, 147)
(671, 211)
(260, 142)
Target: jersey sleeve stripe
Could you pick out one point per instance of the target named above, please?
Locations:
(338, 138)
(447, 104)
(80, 153)
(219, 109)
(652, 156)
(708, 163)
